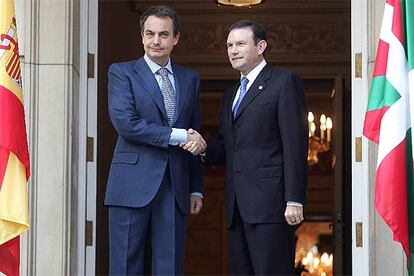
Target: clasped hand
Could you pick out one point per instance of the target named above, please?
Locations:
(294, 214)
(195, 142)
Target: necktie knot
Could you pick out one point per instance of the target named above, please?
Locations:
(163, 71)
(244, 81)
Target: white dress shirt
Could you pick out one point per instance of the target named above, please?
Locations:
(251, 77)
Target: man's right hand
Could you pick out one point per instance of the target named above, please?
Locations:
(195, 142)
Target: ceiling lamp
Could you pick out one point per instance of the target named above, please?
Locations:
(239, 3)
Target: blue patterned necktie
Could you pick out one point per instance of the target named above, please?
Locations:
(168, 94)
(243, 84)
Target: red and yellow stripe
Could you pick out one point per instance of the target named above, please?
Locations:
(14, 154)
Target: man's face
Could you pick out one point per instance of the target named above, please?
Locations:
(244, 55)
(158, 39)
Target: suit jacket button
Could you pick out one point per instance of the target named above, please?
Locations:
(236, 149)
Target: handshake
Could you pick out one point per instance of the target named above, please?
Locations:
(195, 143)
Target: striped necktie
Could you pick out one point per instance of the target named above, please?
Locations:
(168, 94)
(243, 84)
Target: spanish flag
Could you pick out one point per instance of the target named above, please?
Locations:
(14, 154)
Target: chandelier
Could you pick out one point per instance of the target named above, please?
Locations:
(239, 3)
(321, 143)
(314, 263)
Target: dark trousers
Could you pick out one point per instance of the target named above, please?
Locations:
(260, 249)
(163, 221)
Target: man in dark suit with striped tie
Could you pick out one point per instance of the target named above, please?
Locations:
(263, 141)
(153, 184)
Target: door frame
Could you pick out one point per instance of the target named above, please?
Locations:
(360, 159)
(86, 200)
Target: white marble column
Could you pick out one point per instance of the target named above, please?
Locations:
(50, 81)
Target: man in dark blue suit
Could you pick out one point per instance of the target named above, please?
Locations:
(153, 185)
(263, 141)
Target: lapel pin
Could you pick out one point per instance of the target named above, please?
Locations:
(260, 87)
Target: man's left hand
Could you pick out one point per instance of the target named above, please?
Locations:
(196, 204)
(294, 214)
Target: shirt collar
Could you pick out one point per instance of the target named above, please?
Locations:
(255, 72)
(155, 67)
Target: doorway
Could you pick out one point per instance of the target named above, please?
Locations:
(312, 39)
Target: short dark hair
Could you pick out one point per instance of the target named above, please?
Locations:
(161, 11)
(259, 33)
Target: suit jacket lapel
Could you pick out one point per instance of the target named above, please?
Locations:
(147, 80)
(255, 89)
(181, 91)
(230, 105)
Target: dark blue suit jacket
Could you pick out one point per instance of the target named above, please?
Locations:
(265, 147)
(142, 153)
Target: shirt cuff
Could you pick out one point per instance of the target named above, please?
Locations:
(200, 195)
(293, 203)
(178, 136)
